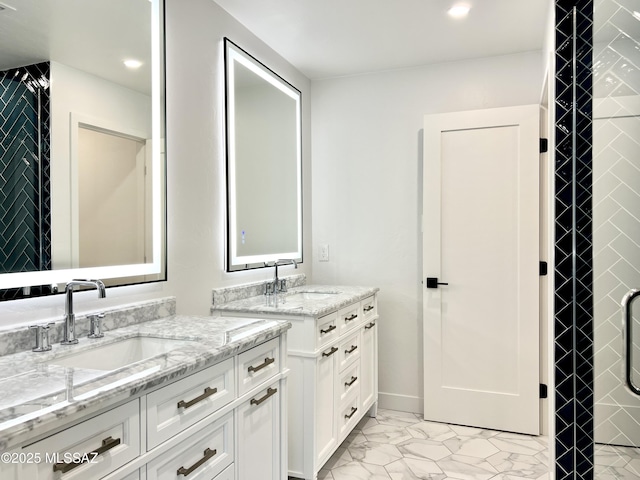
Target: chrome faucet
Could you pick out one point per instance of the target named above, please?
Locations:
(278, 285)
(69, 318)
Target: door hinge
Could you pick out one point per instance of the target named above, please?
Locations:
(543, 269)
(544, 391)
(544, 145)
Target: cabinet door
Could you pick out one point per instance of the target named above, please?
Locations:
(325, 424)
(368, 363)
(259, 436)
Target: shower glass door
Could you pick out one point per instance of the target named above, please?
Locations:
(616, 233)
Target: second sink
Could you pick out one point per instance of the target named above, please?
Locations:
(310, 296)
(120, 354)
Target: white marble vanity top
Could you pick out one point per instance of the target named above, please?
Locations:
(327, 299)
(36, 392)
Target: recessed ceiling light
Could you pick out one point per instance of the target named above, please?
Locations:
(132, 63)
(458, 11)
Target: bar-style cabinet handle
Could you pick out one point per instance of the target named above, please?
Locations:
(353, 411)
(107, 444)
(267, 361)
(207, 393)
(370, 326)
(368, 308)
(351, 350)
(350, 382)
(270, 392)
(330, 329)
(208, 453)
(331, 352)
(352, 317)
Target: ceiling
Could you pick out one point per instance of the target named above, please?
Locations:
(94, 36)
(345, 37)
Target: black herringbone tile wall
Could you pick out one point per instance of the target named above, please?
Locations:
(573, 240)
(25, 217)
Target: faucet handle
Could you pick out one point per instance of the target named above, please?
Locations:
(282, 285)
(42, 337)
(95, 325)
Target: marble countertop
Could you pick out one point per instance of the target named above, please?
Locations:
(36, 392)
(306, 300)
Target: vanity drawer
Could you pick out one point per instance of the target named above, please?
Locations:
(348, 415)
(258, 365)
(175, 407)
(349, 351)
(348, 383)
(106, 442)
(349, 318)
(369, 308)
(326, 329)
(203, 456)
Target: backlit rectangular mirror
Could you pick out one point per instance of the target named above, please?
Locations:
(264, 163)
(82, 144)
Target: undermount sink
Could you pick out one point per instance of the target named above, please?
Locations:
(310, 296)
(120, 353)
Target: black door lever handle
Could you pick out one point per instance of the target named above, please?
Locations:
(432, 282)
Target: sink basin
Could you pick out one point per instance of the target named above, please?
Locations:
(298, 296)
(120, 354)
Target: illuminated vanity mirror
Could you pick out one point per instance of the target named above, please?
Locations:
(82, 151)
(264, 158)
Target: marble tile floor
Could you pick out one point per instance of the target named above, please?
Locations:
(401, 446)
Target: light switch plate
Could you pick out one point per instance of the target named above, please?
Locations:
(323, 253)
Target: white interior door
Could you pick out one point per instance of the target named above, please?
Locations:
(481, 237)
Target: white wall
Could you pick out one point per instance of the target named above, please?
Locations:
(367, 187)
(195, 149)
(195, 168)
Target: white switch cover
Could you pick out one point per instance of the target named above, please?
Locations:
(323, 253)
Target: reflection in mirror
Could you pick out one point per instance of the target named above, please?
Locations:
(81, 143)
(264, 158)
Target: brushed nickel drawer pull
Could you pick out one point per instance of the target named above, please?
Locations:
(368, 308)
(350, 382)
(353, 411)
(352, 317)
(208, 453)
(370, 325)
(331, 352)
(267, 361)
(107, 444)
(330, 329)
(351, 350)
(208, 391)
(270, 392)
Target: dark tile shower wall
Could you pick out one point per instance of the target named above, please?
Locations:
(573, 241)
(25, 215)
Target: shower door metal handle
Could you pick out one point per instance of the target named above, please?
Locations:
(627, 339)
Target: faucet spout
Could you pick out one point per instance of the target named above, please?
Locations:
(280, 286)
(69, 317)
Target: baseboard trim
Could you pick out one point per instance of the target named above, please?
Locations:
(402, 403)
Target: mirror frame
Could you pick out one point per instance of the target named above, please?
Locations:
(233, 261)
(158, 265)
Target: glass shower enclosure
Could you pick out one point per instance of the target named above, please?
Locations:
(616, 238)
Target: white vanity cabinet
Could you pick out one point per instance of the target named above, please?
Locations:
(258, 429)
(224, 422)
(333, 382)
